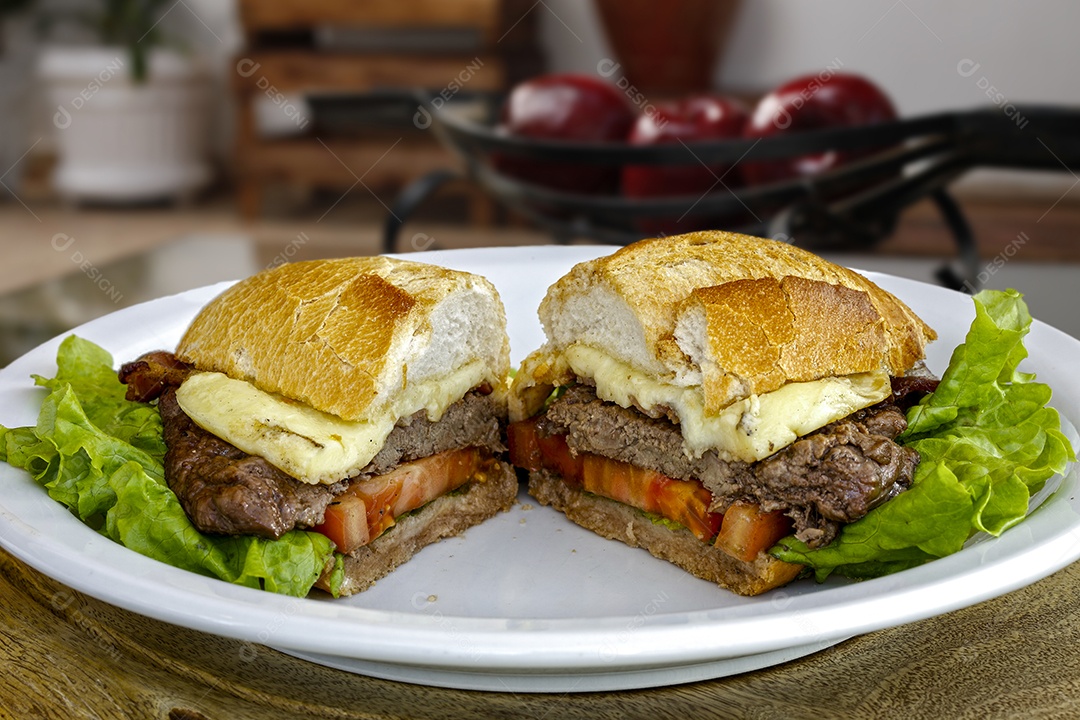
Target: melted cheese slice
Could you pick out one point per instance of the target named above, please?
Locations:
(750, 429)
(308, 444)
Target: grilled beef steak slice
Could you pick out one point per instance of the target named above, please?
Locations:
(836, 474)
(594, 426)
(226, 491)
(473, 421)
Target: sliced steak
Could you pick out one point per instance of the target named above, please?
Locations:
(832, 476)
(226, 491)
(603, 428)
(474, 421)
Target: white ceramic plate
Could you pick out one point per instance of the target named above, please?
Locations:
(529, 601)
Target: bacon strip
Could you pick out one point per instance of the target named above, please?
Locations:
(151, 374)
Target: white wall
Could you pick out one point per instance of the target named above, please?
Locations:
(1027, 50)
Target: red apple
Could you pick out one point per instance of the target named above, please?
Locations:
(814, 102)
(571, 107)
(692, 119)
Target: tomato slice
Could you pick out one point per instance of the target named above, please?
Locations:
(369, 507)
(557, 457)
(744, 531)
(345, 523)
(682, 501)
(523, 442)
(532, 450)
(747, 531)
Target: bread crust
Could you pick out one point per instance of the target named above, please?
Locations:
(765, 332)
(737, 314)
(344, 335)
(616, 521)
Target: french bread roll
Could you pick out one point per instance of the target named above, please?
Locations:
(344, 336)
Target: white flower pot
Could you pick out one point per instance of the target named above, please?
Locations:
(119, 141)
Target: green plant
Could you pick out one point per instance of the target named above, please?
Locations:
(132, 24)
(129, 24)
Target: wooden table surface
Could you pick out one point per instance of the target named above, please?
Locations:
(66, 655)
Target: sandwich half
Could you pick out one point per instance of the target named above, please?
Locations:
(704, 395)
(363, 398)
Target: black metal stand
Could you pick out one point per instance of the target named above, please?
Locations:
(409, 200)
(852, 207)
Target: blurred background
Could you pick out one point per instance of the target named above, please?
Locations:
(150, 147)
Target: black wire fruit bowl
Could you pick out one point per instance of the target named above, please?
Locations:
(852, 207)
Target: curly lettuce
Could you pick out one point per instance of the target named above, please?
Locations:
(102, 456)
(988, 442)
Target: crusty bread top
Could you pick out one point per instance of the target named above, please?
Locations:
(346, 335)
(736, 314)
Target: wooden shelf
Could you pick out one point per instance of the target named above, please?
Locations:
(260, 15)
(312, 71)
(383, 161)
(388, 159)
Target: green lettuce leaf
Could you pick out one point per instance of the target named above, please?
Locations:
(102, 456)
(987, 441)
